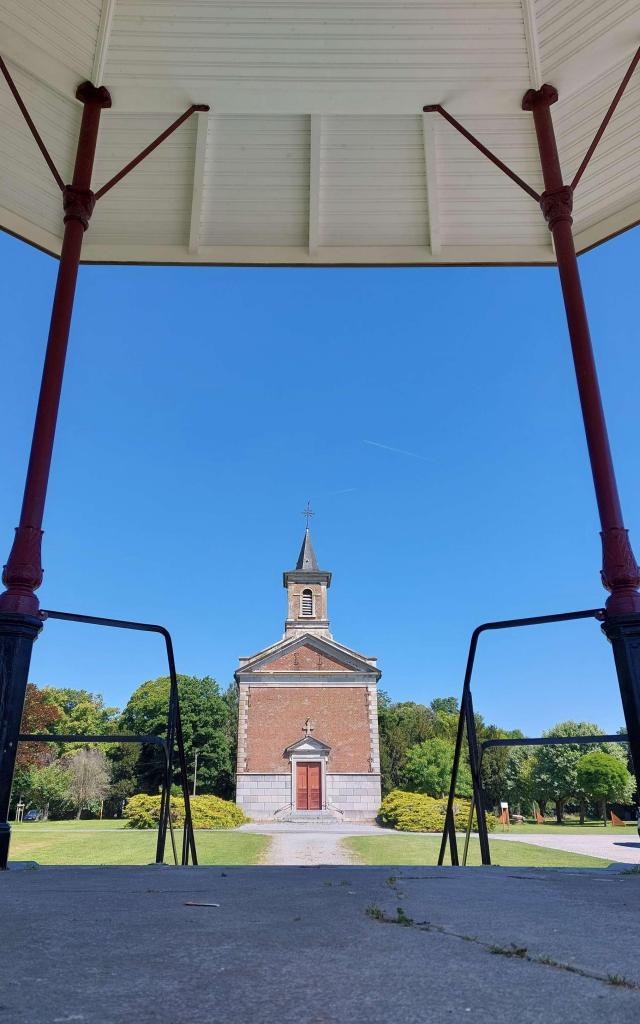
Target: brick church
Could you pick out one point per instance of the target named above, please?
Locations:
(308, 714)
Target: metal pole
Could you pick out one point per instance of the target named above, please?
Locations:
(195, 770)
(620, 572)
(19, 606)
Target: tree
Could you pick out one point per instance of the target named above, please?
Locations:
(88, 778)
(209, 722)
(428, 769)
(401, 726)
(38, 715)
(498, 767)
(81, 712)
(602, 777)
(445, 705)
(554, 774)
(46, 783)
(122, 758)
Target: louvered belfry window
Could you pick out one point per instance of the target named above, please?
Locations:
(307, 602)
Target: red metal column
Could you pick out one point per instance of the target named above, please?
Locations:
(620, 572)
(19, 606)
(23, 572)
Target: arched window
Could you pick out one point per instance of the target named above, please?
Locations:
(307, 602)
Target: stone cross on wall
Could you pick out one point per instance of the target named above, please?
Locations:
(308, 727)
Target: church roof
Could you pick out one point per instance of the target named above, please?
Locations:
(307, 561)
(263, 661)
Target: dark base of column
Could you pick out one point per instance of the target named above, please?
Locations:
(17, 634)
(624, 635)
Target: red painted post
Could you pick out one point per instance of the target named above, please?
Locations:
(23, 572)
(620, 572)
(19, 606)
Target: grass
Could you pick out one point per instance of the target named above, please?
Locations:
(571, 828)
(108, 842)
(423, 850)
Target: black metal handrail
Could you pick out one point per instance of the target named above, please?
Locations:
(466, 718)
(535, 741)
(174, 734)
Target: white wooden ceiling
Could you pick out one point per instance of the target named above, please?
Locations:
(316, 150)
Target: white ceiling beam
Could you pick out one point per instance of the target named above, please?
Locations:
(326, 256)
(202, 131)
(315, 142)
(533, 45)
(431, 176)
(102, 42)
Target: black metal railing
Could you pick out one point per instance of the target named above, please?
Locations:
(174, 738)
(466, 720)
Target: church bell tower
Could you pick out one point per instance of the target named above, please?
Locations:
(307, 587)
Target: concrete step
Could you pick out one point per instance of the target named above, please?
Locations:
(310, 817)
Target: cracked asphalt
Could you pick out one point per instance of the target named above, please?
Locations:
(323, 944)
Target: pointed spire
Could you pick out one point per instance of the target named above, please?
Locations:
(307, 561)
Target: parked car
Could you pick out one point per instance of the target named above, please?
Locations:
(32, 816)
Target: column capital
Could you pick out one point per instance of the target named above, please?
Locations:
(544, 96)
(87, 92)
(556, 205)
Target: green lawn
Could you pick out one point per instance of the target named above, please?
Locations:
(423, 850)
(107, 842)
(571, 827)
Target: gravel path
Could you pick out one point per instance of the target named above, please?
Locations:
(624, 850)
(299, 849)
(301, 845)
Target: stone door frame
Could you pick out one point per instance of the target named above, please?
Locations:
(315, 757)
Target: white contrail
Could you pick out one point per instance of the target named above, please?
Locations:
(400, 451)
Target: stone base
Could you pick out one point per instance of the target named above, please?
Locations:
(265, 797)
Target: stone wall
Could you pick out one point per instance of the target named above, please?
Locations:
(260, 796)
(357, 796)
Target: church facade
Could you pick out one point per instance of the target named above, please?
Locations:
(308, 716)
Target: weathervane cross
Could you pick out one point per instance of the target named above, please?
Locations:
(308, 513)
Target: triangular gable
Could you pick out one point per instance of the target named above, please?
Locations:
(307, 653)
(308, 745)
(306, 658)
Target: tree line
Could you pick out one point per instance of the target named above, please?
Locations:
(417, 748)
(61, 779)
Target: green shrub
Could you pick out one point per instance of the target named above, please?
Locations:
(416, 812)
(143, 811)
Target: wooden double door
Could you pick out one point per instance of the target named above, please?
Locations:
(308, 786)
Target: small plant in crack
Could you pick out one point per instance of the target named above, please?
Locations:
(378, 914)
(620, 980)
(543, 958)
(375, 912)
(512, 950)
(635, 870)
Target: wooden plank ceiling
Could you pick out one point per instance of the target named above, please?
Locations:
(316, 150)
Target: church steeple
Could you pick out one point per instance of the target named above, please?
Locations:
(307, 558)
(307, 587)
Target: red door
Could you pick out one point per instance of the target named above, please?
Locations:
(308, 788)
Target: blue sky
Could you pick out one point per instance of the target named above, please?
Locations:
(431, 417)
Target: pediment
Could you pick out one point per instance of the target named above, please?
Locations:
(308, 653)
(308, 745)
